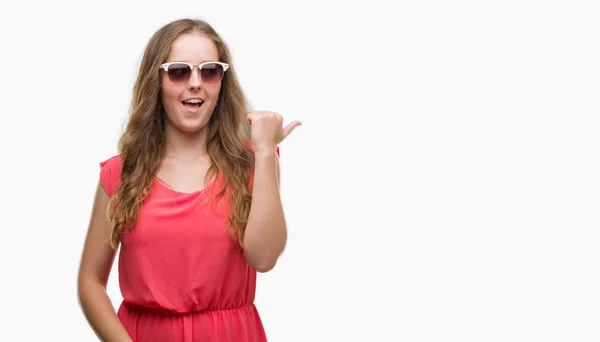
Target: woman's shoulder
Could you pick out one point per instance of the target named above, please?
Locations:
(110, 174)
(112, 162)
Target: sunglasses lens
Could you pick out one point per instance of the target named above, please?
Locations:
(211, 72)
(179, 73)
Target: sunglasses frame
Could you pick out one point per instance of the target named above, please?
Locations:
(165, 67)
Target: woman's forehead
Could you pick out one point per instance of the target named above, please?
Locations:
(193, 48)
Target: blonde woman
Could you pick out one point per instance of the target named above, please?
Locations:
(192, 199)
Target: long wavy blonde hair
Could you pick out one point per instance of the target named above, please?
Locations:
(141, 147)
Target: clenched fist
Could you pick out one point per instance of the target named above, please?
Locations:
(267, 131)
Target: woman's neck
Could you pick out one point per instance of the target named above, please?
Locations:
(185, 146)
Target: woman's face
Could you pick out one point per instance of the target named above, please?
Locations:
(189, 99)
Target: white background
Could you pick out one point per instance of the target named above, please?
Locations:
(444, 185)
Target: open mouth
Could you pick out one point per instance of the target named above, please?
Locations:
(192, 103)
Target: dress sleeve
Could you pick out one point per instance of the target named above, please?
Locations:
(110, 174)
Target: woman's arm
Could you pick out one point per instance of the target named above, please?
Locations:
(266, 231)
(94, 269)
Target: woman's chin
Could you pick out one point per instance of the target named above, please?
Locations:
(191, 129)
(188, 126)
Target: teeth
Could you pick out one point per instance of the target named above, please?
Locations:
(193, 101)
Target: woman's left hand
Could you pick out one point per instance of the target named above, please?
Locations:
(267, 130)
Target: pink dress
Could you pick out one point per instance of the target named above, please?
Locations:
(182, 278)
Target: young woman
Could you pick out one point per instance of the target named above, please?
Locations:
(192, 200)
